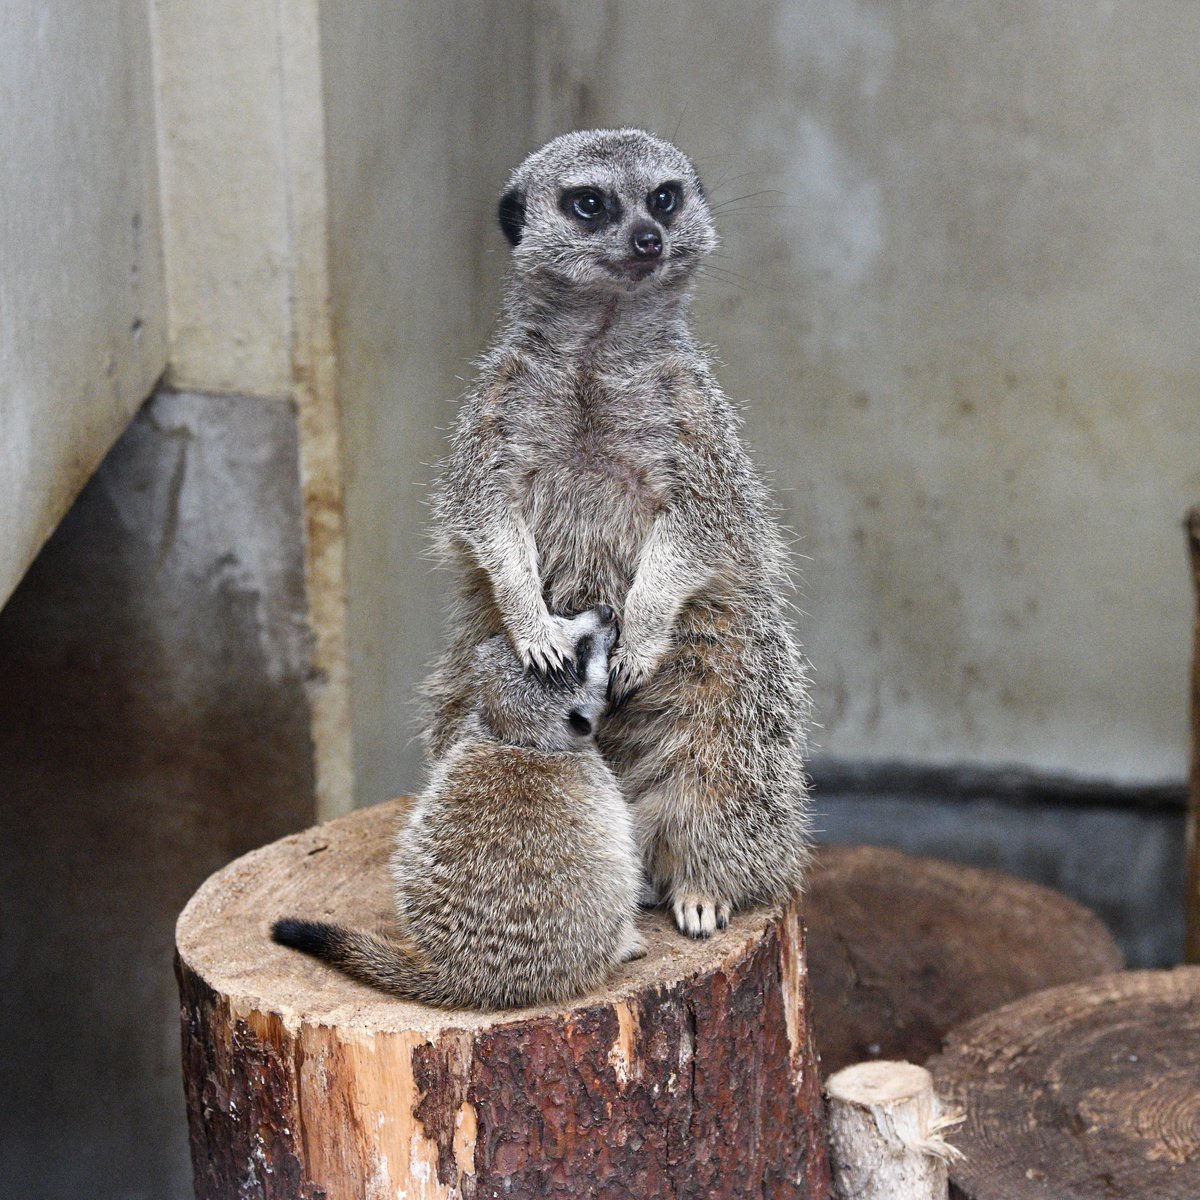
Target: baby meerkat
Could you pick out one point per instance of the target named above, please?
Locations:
(516, 872)
(597, 458)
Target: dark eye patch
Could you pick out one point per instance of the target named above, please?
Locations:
(583, 651)
(665, 199)
(590, 207)
(579, 723)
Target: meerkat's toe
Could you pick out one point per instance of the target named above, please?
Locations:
(695, 915)
(636, 948)
(722, 916)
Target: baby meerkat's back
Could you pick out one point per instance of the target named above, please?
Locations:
(516, 872)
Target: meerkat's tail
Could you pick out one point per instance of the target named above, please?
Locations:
(393, 966)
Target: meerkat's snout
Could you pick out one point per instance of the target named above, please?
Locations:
(646, 241)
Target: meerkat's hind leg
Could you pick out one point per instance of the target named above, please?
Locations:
(648, 894)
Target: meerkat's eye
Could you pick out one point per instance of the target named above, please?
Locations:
(664, 199)
(580, 724)
(586, 203)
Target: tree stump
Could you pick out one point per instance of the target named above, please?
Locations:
(1090, 1091)
(692, 1075)
(901, 949)
(885, 1133)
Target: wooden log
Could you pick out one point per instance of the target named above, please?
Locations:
(1090, 1091)
(1192, 954)
(692, 1075)
(886, 1128)
(901, 949)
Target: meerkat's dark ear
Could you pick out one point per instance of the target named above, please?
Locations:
(512, 215)
(700, 189)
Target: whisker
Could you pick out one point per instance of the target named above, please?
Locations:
(727, 179)
(724, 275)
(678, 123)
(748, 196)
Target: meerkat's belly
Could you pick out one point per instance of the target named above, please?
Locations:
(590, 514)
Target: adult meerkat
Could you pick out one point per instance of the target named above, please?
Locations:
(596, 460)
(516, 872)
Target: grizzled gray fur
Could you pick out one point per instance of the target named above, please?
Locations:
(516, 871)
(596, 460)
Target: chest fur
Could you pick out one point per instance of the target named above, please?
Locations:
(593, 464)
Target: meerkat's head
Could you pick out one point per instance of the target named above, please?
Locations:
(523, 709)
(607, 210)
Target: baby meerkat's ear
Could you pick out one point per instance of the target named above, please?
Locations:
(511, 212)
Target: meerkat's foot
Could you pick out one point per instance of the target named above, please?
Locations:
(551, 650)
(698, 916)
(636, 948)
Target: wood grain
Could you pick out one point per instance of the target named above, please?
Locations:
(1090, 1091)
(692, 1075)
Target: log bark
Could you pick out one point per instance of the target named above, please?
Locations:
(692, 1075)
(886, 1128)
(901, 949)
(1192, 525)
(1090, 1091)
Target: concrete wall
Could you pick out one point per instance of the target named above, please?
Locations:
(427, 107)
(241, 135)
(964, 320)
(82, 308)
(956, 293)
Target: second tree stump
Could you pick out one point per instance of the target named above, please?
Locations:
(903, 948)
(692, 1075)
(1090, 1091)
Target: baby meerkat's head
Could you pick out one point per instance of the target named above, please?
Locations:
(523, 709)
(608, 210)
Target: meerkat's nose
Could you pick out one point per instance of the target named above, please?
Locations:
(646, 241)
(605, 614)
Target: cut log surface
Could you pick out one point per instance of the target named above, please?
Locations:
(692, 1075)
(1089, 1091)
(901, 949)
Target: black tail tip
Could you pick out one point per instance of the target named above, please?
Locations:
(313, 937)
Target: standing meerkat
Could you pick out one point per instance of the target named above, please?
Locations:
(597, 460)
(516, 872)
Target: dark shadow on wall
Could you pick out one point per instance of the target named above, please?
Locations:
(153, 725)
(1118, 849)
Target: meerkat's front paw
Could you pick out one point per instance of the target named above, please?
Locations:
(629, 667)
(698, 916)
(550, 651)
